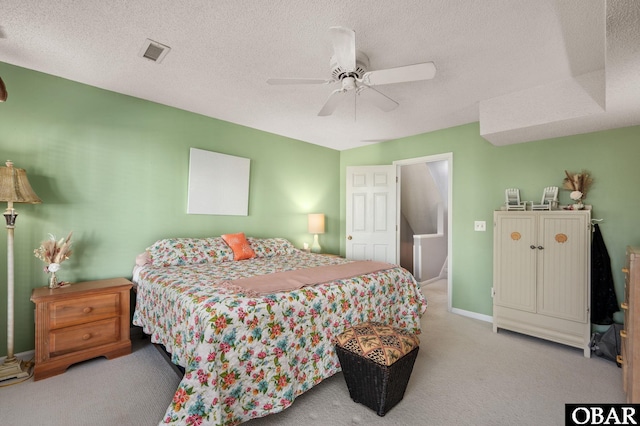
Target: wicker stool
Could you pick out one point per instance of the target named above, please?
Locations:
(377, 361)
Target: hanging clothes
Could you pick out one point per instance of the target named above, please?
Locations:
(603, 295)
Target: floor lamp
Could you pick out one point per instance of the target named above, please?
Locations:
(14, 188)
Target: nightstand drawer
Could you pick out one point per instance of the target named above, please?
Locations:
(86, 336)
(80, 311)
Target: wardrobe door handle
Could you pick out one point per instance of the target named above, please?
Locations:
(532, 247)
(624, 305)
(540, 248)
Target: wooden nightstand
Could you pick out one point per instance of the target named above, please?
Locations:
(80, 322)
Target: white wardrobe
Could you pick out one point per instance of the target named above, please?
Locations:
(541, 275)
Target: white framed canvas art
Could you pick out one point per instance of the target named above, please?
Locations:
(218, 183)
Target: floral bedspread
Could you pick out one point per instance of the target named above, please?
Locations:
(248, 357)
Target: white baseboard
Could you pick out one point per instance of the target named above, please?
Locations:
(432, 280)
(429, 281)
(473, 315)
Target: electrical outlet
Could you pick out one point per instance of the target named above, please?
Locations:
(480, 225)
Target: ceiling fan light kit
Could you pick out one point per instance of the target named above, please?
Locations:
(350, 68)
(339, 72)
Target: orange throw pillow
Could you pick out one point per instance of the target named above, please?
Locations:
(240, 246)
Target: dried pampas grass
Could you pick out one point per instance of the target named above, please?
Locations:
(577, 182)
(52, 251)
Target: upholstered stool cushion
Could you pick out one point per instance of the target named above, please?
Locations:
(377, 361)
(378, 342)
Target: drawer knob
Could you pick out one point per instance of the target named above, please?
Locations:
(619, 359)
(624, 305)
(86, 336)
(625, 270)
(623, 333)
(87, 310)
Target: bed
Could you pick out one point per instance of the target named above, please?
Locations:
(247, 354)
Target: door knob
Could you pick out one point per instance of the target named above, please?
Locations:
(349, 237)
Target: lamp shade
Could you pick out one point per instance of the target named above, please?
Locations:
(14, 186)
(316, 223)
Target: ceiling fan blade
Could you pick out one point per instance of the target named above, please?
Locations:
(334, 99)
(344, 47)
(279, 81)
(380, 100)
(424, 71)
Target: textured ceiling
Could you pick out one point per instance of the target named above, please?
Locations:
(527, 70)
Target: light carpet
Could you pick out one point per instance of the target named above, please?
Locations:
(135, 389)
(464, 375)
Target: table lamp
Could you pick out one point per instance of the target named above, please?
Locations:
(316, 226)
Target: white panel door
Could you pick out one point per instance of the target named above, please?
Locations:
(371, 213)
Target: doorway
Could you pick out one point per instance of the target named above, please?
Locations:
(424, 218)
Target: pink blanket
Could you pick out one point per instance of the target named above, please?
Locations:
(291, 280)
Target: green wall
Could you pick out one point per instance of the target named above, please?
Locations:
(481, 172)
(114, 170)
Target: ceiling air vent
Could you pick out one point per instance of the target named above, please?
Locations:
(154, 51)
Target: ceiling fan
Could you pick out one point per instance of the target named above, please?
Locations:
(350, 68)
